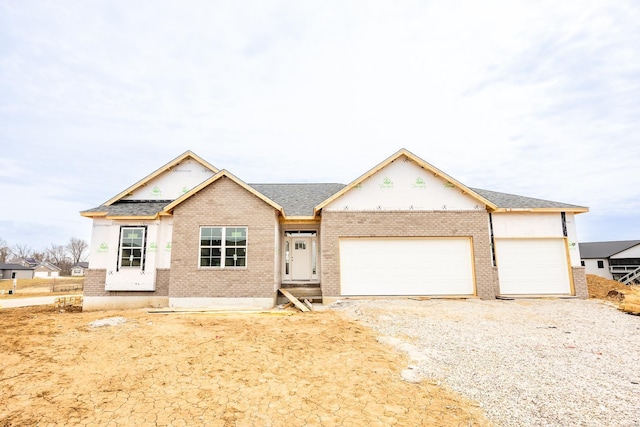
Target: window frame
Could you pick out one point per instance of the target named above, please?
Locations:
(600, 263)
(223, 248)
(141, 248)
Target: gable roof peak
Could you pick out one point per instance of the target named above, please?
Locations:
(420, 162)
(184, 156)
(222, 174)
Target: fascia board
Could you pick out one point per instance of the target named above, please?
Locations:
(575, 210)
(93, 214)
(132, 217)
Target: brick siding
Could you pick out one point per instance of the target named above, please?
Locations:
(224, 203)
(474, 224)
(580, 282)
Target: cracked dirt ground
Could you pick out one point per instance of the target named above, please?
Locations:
(313, 369)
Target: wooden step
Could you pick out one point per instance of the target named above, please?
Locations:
(313, 294)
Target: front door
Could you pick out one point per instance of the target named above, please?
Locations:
(301, 258)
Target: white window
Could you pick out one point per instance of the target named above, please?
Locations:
(131, 251)
(223, 247)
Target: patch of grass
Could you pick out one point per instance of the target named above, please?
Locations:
(57, 283)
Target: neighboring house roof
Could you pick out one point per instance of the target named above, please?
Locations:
(298, 199)
(184, 156)
(49, 266)
(505, 201)
(14, 267)
(28, 261)
(591, 250)
(81, 265)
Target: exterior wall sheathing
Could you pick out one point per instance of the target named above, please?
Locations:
(474, 224)
(224, 203)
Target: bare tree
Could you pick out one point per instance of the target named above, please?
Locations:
(57, 255)
(21, 251)
(39, 255)
(4, 251)
(76, 248)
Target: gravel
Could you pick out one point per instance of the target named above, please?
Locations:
(562, 362)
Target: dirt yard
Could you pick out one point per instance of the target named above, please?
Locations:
(142, 369)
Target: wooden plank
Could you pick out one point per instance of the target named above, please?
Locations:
(308, 304)
(294, 300)
(630, 298)
(630, 307)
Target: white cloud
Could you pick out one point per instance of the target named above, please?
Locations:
(536, 98)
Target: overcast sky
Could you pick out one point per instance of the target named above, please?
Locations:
(537, 98)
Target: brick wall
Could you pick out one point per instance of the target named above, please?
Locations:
(580, 282)
(224, 203)
(94, 281)
(474, 224)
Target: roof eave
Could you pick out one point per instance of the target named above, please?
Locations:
(93, 214)
(133, 217)
(300, 218)
(572, 209)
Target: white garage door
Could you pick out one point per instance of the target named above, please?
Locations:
(532, 266)
(406, 266)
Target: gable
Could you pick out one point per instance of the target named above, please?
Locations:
(404, 184)
(233, 186)
(632, 252)
(172, 183)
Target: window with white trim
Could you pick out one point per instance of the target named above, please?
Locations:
(131, 251)
(223, 247)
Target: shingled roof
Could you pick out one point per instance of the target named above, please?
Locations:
(145, 208)
(591, 250)
(298, 199)
(513, 201)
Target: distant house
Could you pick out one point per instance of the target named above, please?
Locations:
(7, 272)
(617, 260)
(79, 268)
(47, 270)
(43, 269)
(25, 262)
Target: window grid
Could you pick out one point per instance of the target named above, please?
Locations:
(223, 247)
(131, 247)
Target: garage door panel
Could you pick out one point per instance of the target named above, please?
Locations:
(532, 267)
(406, 267)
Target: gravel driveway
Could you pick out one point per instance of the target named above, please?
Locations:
(527, 362)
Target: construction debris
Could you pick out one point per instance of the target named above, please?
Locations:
(631, 304)
(300, 306)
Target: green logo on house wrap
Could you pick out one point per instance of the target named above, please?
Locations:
(103, 248)
(168, 247)
(419, 183)
(156, 191)
(386, 183)
(153, 247)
